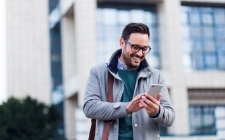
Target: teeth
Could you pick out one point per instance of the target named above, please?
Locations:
(136, 58)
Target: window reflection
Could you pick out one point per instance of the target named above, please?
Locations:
(196, 32)
(123, 17)
(137, 15)
(108, 16)
(210, 46)
(219, 17)
(203, 32)
(208, 32)
(202, 120)
(207, 19)
(110, 24)
(194, 18)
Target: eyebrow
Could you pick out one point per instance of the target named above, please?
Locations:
(136, 44)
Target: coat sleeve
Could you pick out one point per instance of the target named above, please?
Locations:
(166, 116)
(95, 105)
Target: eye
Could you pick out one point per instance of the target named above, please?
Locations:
(145, 48)
(136, 47)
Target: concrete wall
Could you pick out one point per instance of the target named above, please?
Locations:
(3, 52)
(172, 67)
(28, 49)
(79, 55)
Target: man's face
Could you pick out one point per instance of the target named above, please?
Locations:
(130, 58)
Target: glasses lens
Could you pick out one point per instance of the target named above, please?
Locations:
(145, 49)
(135, 48)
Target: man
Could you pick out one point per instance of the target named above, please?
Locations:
(136, 114)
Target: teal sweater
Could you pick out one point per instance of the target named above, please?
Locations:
(125, 124)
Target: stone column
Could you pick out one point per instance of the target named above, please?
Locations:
(171, 53)
(3, 52)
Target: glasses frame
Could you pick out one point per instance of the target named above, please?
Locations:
(140, 48)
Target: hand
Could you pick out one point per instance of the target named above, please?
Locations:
(134, 105)
(151, 104)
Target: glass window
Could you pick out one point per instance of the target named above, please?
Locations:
(207, 17)
(137, 15)
(186, 32)
(53, 4)
(194, 18)
(197, 59)
(123, 17)
(210, 60)
(204, 30)
(220, 30)
(108, 16)
(208, 32)
(111, 22)
(219, 17)
(202, 120)
(57, 94)
(196, 32)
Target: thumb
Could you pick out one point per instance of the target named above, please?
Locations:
(159, 96)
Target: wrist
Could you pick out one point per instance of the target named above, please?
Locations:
(129, 114)
(156, 115)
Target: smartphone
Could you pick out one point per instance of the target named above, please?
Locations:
(154, 90)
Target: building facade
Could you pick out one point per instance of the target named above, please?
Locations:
(48, 48)
(187, 40)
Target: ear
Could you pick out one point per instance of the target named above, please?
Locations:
(122, 43)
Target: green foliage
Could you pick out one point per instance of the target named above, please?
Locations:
(27, 119)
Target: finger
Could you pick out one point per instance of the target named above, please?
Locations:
(151, 106)
(144, 104)
(141, 106)
(148, 104)
(138, 97)
(159, 96)
(146, 100)
(149, 110)
(152, 99)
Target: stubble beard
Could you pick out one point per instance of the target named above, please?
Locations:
(133, 61)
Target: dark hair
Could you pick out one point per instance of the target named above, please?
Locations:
(134, 28)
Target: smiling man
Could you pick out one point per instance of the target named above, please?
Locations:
(134, 53)
(136, 114)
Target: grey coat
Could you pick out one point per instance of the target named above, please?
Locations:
(96, 105)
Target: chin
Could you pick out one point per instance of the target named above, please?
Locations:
(136, 65)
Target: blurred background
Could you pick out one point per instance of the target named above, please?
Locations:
(47, 48)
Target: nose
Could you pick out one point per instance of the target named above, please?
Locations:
(140, 53)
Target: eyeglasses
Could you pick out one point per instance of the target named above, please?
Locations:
(136, 48)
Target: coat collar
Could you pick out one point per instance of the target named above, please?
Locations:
(114, 60)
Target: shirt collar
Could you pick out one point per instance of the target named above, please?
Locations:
(113, 61)
(122, 66)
